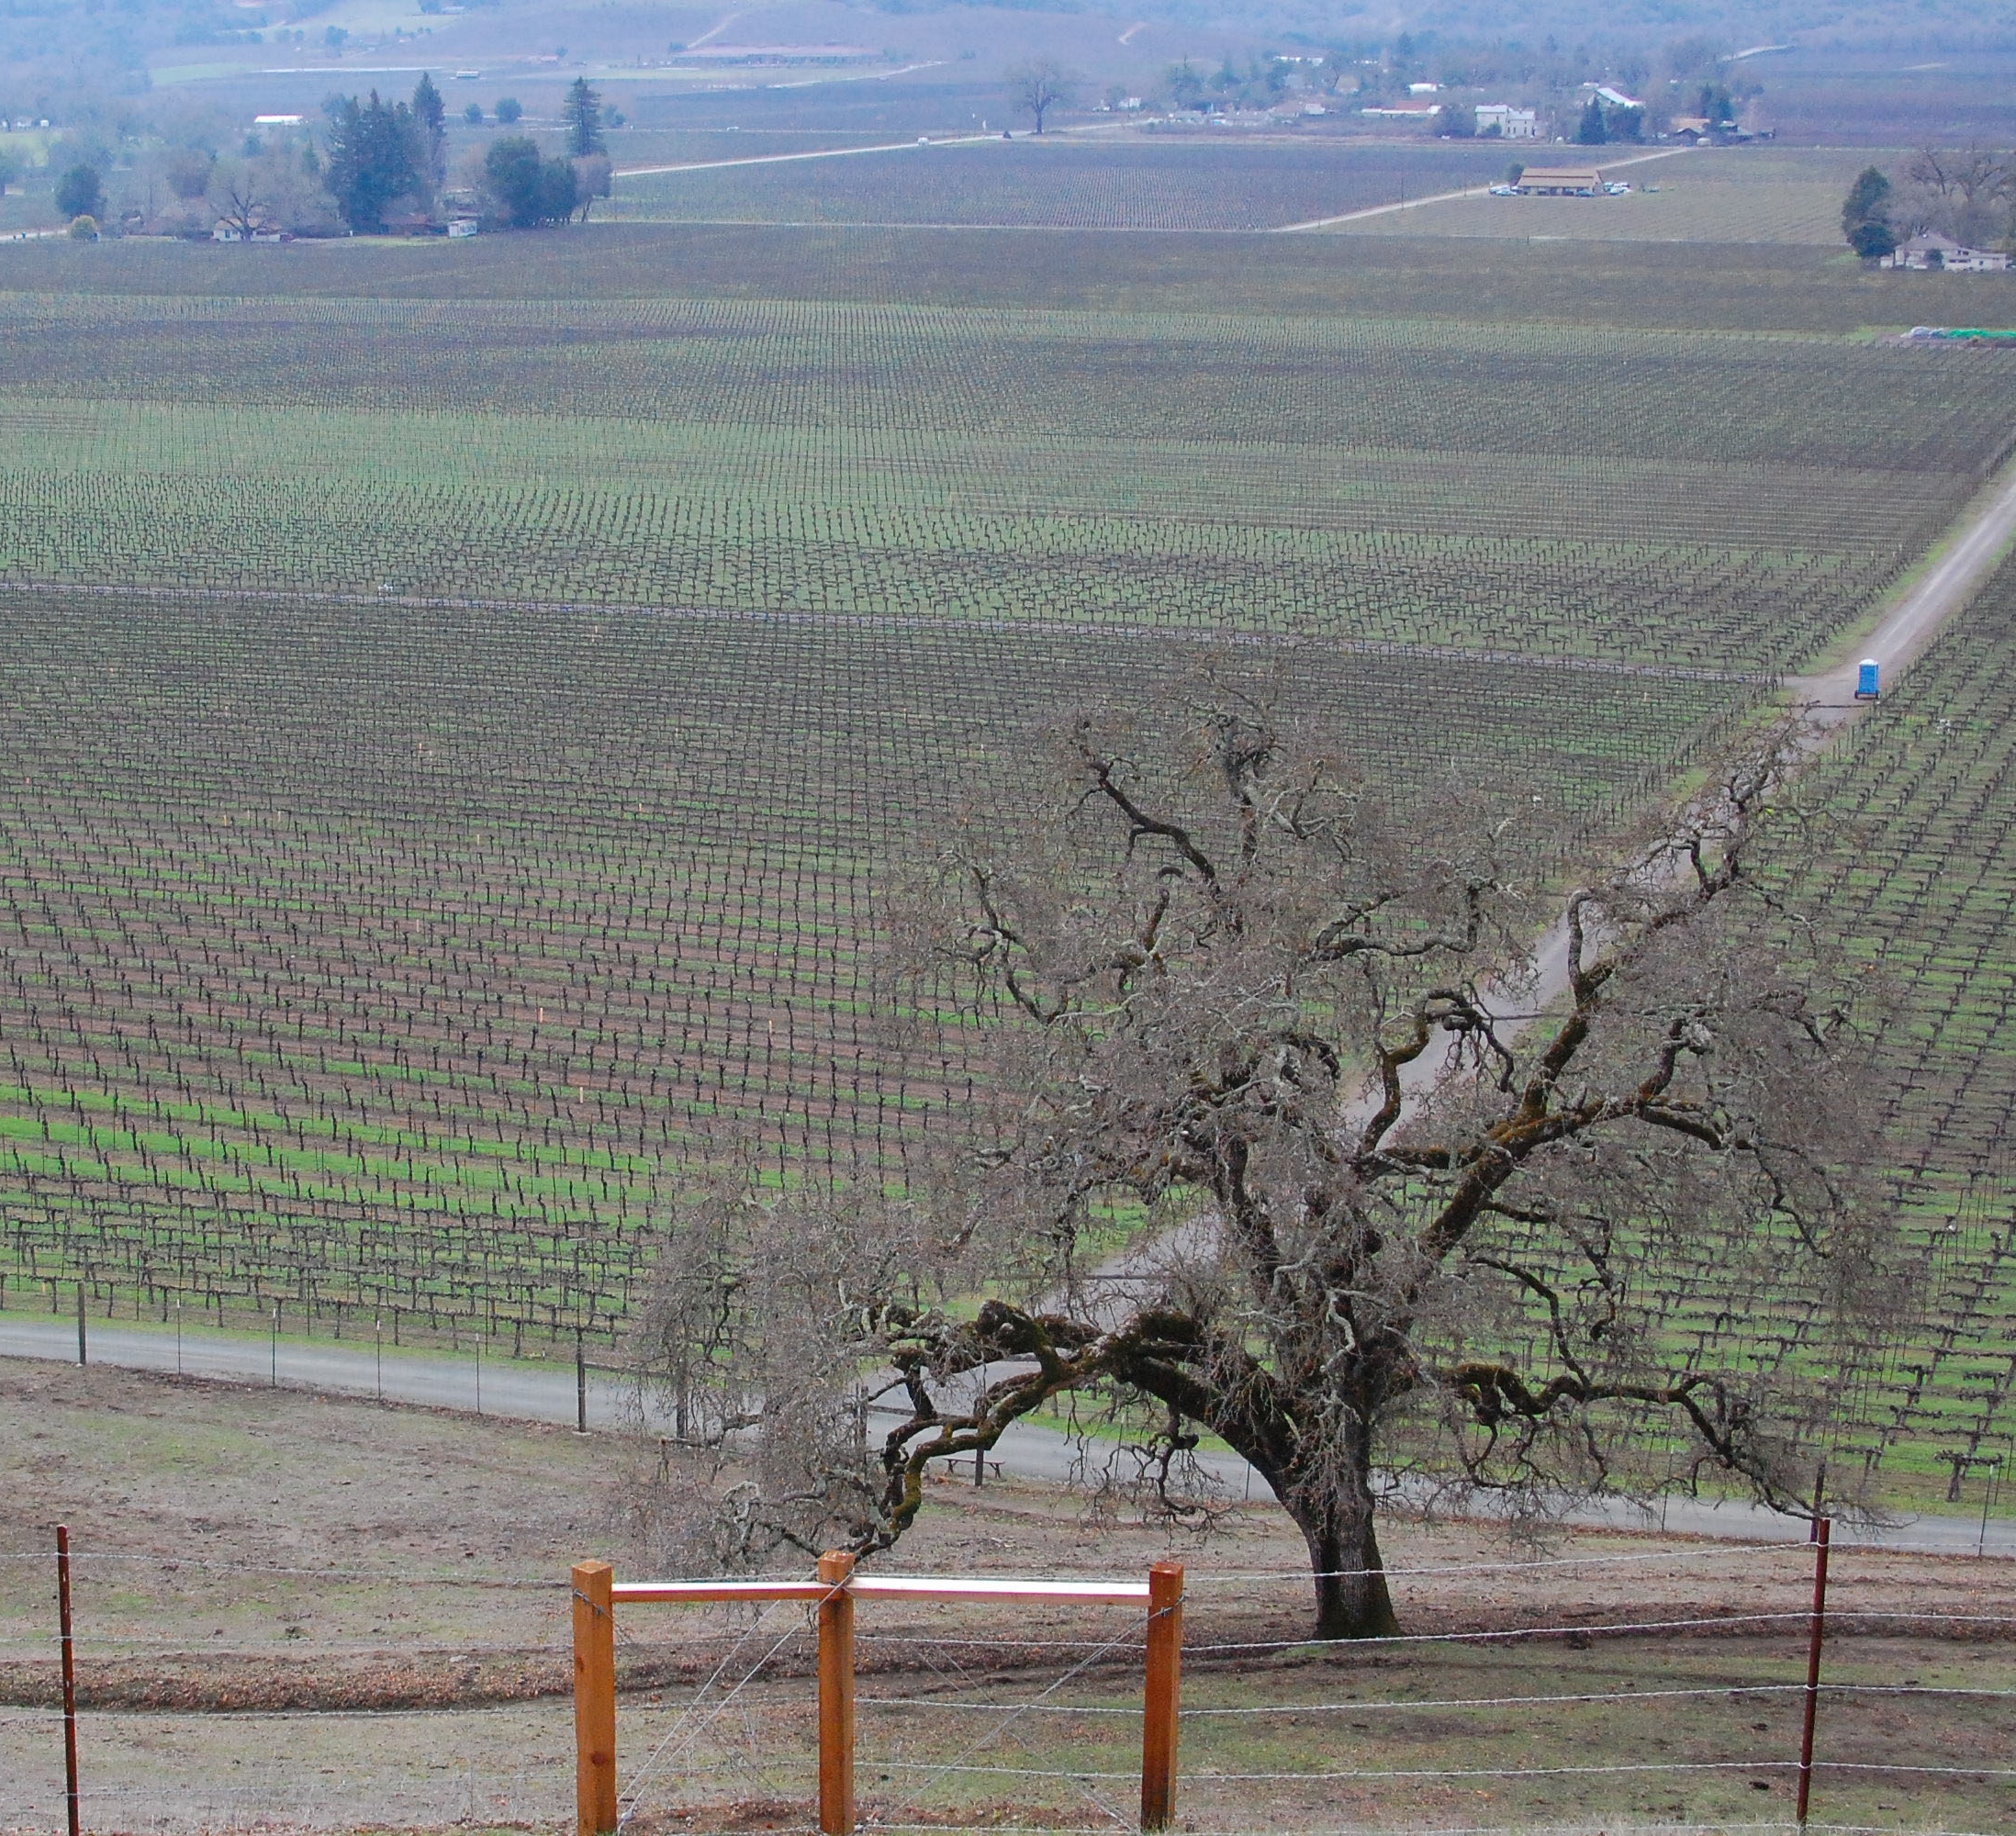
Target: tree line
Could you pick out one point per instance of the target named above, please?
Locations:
(378, 164)
(1967, 194)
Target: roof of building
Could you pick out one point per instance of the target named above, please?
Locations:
(1561, 175)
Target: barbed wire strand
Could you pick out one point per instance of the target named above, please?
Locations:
(692, 1707)
(1127, 1636)
(446, 1576)
(1353, 1707)
(1709, 1553)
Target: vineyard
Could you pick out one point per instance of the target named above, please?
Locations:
(1770, 195)
(1235, 184)
(403, 962)
(454, 747)
(1672, 501)
(1315, 277)
(1921, 884)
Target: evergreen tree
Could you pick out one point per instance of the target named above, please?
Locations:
(1592, 132)
(430, 122)
(80, 192)
(375, 159)
(1865, 215)
(525, 189)
(582, 111)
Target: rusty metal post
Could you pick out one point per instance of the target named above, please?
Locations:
(837, 1696)
(1165, 1659)
(1816, 1633)
(72, 1803)
(594, 1699)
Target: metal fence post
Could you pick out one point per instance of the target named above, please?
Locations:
(1816, 1633)
(594, 1699)
(1165, 1658)
(836, 1695)
(72, 1801)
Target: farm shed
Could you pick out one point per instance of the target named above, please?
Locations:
(1560, 182)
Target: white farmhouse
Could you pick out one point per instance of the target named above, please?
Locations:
(1941, 252)
(1513, 124)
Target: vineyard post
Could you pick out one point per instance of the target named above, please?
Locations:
(379, 1324)
(273, 1367)
(594, 1699)
(580, 1384)
(82, 1359)
(70, 1677)
(1816, 1633)
(836, 1695)
(178, 1334)
(1165, 1657)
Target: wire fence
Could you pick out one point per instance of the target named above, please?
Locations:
(1017, 1722)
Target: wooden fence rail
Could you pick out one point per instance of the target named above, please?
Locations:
(834, 1591)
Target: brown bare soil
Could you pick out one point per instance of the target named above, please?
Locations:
(254, 1565)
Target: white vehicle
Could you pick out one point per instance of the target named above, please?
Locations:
(1616, 187)
(1505, 191)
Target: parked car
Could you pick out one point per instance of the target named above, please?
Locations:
(1616, 187)
(1505, 191)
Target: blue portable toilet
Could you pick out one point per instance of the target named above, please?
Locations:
(1866, 680)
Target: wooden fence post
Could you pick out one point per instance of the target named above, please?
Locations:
(837, 1696)
(1165, 1659)
(1816, 1634)
(594, 1699)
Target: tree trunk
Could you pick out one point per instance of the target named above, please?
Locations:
(1351, 1581)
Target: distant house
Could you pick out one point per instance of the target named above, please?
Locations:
(1615, 97)
(1943, 254)
(1513, 124)
(1695, 129)
(462, 226)
(1419, 113)
(1560, 182)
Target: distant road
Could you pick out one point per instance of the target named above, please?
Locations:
(818, 153)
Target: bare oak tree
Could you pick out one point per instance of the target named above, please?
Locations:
(1392, 1188)
(1039, 86)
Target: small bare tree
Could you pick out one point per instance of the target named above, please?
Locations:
(1038, 86)
(1248, 1009)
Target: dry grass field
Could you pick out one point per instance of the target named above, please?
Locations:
(336, 1615)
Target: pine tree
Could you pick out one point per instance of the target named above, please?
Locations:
(1866, 214)
(1592, 132)
(375, 158)
(582, 111)
(431, 120)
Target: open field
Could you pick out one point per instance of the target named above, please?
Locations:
(1727, 194)
(301, 1565)
(1436, 279)
(1181, 183)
